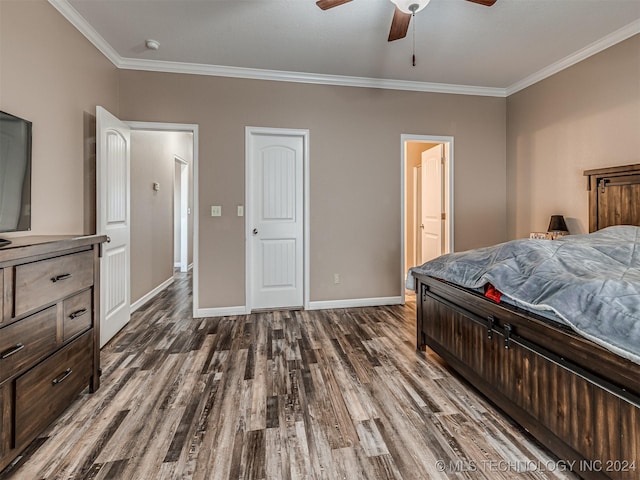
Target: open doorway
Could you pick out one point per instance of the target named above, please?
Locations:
(427, 200)
(163, 207)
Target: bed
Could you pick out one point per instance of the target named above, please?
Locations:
(578, 397)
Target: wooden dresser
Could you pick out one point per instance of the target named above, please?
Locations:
(49, 333)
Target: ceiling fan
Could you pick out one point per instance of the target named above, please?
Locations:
(405, 9)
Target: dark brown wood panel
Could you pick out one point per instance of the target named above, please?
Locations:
(607, 428)
(6, 418)
(562, 425)
(25, 342)
(614, 196)
(629, 465)
(528, 390)
(46, 390)
(7, 296)
(95, 379)
(43, 246)
(582, 418)
(43, 282)
(619, 204)
(545, 392)
(77, 314)
(519, 384)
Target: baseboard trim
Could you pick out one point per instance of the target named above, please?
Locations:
(355, 303)
(323, 305)
(220, 312)
(145, 298)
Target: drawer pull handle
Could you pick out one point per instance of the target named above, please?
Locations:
(77, 314)
(11, 351)
(62, 377)
(64, 276)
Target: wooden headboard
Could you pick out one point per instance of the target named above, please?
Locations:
(614, 196)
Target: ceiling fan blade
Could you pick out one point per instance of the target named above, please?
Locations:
(486, 3)
(327, 4)
(399, 25)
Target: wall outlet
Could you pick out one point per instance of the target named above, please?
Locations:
(216, 211)
(336, 278)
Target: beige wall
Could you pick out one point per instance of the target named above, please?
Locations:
(152, 225)
(354, 171)
(50, 74)
(587, 116)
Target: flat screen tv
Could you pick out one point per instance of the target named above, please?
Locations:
(15, 175)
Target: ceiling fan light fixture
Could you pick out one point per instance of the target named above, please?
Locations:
(410, 6)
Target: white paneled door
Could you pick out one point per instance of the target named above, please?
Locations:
(275, 223)
(432, 203)
(113, 220)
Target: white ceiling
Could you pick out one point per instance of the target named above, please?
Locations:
(500, 49)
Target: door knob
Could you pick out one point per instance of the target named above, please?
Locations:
(255, 231)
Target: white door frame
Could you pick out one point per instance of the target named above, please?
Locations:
(417, 195)
(190, 128)
(248, 198)
(183, 178)
(448, 204)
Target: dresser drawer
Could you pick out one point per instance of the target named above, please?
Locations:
(44, 392)
(46, 281)
(24, 342)
(77, 315)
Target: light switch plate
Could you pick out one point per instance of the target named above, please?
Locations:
(216, 211)
(241, 210)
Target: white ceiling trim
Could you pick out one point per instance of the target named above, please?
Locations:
(582, 54)
(78, 21)
(299, 77)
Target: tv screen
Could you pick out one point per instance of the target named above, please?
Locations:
(15, 173)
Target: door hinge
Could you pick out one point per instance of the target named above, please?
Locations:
(443, 216)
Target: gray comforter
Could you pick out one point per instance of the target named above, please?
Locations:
(592, 282)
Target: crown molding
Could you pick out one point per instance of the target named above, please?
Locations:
(300, 77)
(582, 54)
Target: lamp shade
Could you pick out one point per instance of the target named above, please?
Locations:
(557, 224)
(405, 5)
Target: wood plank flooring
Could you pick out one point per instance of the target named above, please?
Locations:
(333, 394)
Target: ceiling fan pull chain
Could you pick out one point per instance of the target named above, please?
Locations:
(414, 38)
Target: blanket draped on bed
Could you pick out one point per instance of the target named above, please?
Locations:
(592, 282)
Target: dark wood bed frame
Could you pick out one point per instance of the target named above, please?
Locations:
(577, 398)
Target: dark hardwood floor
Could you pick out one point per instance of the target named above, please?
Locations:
(333, 394)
